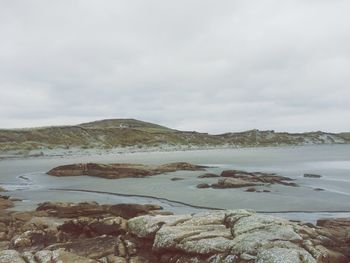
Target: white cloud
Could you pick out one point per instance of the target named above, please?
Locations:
(193, 65)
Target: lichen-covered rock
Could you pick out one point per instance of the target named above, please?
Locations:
(147, 226)
(60, 256)
(199, 239)
(284, 255)
(11, 256)
(233, 236)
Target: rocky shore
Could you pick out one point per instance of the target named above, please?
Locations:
(227, 179)
(89, 232)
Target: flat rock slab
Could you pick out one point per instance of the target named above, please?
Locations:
(121, 170)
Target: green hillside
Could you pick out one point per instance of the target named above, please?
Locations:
(113, 133)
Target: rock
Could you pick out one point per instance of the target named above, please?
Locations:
(337, 227)
(72, 210)
(237, 179)
(208, 175)
(22, 216)
(147, 226)
(3, 236)
(11, 256)
(197, 239)
(232, 236)
(233, 183)
(251, 189)
(94, 227)
(5, 202)
(58, 256)
(312, 175)
(34, 238)
(172, 167)
(14, 199)
(93, 248)
(131, 210)
(284, 255)
(319, 189)
(225, 236)
(4, 245)
(3, 227)
(177, 179)
(120, 170)
(337, 224)
(236, 174)
(200, 186)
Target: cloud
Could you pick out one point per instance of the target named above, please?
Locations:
(193, 65)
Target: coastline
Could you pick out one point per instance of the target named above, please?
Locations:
(80, 152)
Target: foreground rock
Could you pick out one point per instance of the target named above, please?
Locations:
(115, 233)
(120, 170)
(238, 179)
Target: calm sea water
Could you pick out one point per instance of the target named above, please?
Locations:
(26, 179)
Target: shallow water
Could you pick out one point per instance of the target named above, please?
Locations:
(26, 179)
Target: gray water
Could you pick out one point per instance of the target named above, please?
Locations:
(26, 179)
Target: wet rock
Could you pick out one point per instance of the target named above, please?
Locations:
(312, 175)
(72, 210)
(200, 186)
(94, 227)
(177, 179)
(132, 210)
(319, 189)
(208, 175)
(120, 170)
(251, 189)
(233, 183)
(238, 179)
(172, 167)
(93, 248)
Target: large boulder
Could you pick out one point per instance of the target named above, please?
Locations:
(233, 236)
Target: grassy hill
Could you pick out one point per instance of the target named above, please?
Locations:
(130, 132)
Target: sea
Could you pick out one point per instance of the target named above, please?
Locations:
(324, 197)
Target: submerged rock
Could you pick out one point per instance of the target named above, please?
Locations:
(312, 175)
(203, 186)
(208, 175)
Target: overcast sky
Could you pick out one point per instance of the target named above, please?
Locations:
(212, 66)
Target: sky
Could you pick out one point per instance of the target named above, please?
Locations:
(209, 66)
